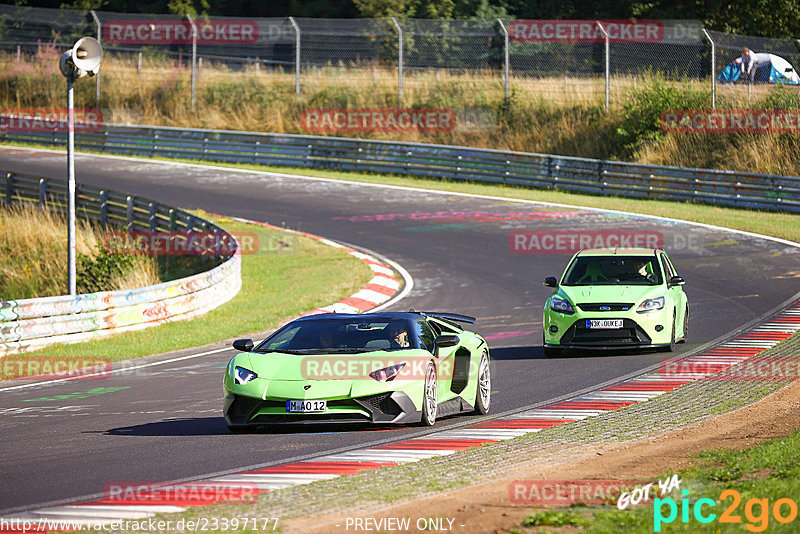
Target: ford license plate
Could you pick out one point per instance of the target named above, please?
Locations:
(604, 323)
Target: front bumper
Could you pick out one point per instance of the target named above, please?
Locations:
(639, 330)
(384, 408)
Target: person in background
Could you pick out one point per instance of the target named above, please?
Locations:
(751, 61)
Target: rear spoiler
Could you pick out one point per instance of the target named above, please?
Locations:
(450, 317)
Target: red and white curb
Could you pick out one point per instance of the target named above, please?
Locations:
(620, 395)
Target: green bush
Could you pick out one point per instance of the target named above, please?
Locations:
(93, 274)
(782, 97)
(641, 120)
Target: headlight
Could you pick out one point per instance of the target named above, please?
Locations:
(650, 305)
(387, 374)
(561, 305)
(243, 376)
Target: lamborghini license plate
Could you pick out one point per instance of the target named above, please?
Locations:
(604, 323)
(303, 406)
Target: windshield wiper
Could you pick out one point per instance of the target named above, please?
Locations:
(281, 351)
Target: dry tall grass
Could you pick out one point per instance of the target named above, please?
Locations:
(33, 254)
(547, 115)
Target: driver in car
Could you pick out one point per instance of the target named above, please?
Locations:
(398, 336)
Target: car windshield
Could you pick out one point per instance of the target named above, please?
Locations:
(613, 270)
(338, 336)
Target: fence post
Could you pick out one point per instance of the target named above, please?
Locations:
(713, 69)
(399, 60)
(607, 62)
(296, 55)
(505, 56)
(97, 76)
(194, 56)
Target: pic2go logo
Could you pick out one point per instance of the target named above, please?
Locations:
(756, 511)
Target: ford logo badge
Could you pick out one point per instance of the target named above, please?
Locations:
(605, 308)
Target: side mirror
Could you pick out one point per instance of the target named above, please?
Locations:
(243, 345)
(551, 281)
(446, 340)
(677, 281)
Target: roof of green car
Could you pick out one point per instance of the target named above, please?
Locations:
(620, 251)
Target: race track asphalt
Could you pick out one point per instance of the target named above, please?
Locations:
(163, 423)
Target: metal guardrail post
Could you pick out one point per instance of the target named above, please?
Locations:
(399, 59)
(607, 62)
(103, 208)
(43, 192)
(152, 219)
(194, 56)
(129, 214)
(506, 80)
(9, 188)
(97, 76)
(713, 69)
(296, 55)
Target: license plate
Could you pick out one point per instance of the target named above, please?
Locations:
(603, 323)
(303, 406)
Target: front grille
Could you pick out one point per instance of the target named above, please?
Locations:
(241, 408)
(602, 307)
(630, 334)
(381, 403)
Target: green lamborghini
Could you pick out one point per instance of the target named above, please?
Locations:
(383, 368)
(613, 299)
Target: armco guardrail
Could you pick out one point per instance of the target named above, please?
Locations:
(34, 323)
(599, 177)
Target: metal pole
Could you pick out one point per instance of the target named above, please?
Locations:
(713, 69)
(71, 186)
(194, 57)
(399, 60)
(296, 55)
(505, 56)
(97, 76)
(608, 63)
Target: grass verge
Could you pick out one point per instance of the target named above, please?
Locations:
(287, 275)
(748, 483)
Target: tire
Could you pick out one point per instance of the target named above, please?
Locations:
(672, 343)
(685, 324)
(429, 396)
(483, 390)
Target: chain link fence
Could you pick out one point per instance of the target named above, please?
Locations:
(584, 58)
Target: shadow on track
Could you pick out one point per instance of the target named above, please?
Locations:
(214, 426)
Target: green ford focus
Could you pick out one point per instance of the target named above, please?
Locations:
(614, 299)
